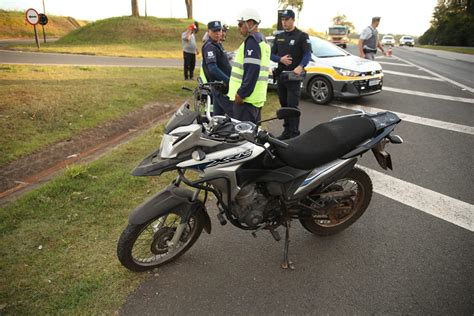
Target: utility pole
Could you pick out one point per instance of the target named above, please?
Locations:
(145, 9)
(42, 26)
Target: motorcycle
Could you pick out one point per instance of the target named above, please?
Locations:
(259, 182)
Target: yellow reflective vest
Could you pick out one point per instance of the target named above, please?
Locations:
(259, 94)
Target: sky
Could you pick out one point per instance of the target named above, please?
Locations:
(410, 17)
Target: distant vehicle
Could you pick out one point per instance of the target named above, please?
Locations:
(338, 35)
(388, 40)
(407, 41)
(334, 73)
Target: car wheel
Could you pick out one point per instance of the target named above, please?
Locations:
(320, 90)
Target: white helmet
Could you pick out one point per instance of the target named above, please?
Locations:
(249, 14)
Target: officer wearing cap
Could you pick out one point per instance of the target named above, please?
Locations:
(369, 40)
(216, 67)
(292, 51)
(249, 78)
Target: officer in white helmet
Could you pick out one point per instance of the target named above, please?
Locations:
(249, 77)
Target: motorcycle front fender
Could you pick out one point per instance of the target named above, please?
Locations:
(172, 198)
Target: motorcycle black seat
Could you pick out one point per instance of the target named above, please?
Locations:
(326, 142)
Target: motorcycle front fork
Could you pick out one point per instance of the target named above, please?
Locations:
(173, 243)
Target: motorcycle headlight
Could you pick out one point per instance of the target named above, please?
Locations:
(347, 72)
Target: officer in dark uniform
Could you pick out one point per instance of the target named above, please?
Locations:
(292, 51)
(216, 67)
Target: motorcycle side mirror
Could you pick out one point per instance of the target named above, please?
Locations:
(287, 112)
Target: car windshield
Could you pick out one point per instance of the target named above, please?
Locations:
(407, 38)
(337, 31)
(388, 37)
(324, 49)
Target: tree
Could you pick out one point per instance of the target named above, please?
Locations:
(452, 24)
(135, 8)
(342, 20)
(189, 8)
(296, 4)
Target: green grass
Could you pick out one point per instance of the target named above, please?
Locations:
(58, 243)
(131, 37)
(462, 50)
(13, 25)
(41, 105)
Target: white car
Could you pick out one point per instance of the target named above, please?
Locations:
(333, 72)
(406, 41)
(388, 40)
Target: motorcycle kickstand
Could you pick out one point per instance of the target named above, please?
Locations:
(286, 262)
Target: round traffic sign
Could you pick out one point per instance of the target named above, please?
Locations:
(32, 16)
(43, 19)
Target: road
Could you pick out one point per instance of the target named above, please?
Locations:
(412, 252)
(397, 259)
(16, 57)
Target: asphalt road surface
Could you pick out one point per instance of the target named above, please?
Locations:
(412, 252)
(17, 57)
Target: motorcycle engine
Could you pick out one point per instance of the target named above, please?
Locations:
(249, 206)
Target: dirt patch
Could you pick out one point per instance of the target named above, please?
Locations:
(29, 170)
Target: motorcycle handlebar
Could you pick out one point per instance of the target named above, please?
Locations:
(265, 137)
(277, 142)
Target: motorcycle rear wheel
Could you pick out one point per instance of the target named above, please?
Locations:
(359, 182)
(145, 246)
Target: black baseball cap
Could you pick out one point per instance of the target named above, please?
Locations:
(214, 26)
(288, 14)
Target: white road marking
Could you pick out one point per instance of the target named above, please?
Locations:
(429, 95)
(442, 206)
(396, 64)
(438, 75)
(414, 119)
(411, 75)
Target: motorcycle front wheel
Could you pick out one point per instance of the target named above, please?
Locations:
(146, 246)
(341, 212)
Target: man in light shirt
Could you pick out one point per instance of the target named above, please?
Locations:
(369, 40)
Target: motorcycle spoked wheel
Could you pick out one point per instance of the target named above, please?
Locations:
(347, 210)
(144, 247)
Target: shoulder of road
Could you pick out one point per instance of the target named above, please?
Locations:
(446, 54)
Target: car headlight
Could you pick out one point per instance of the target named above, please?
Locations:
(347, 72)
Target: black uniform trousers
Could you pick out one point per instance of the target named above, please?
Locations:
(289, 93)
(221, 103)
(189, 64)
(246, 112)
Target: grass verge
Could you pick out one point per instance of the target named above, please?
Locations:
(131, 37)
(57, 243)
(13, 25)
(41, 105)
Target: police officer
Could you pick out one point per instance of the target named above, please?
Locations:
(369, 40)
(292, 51)
(249, 78)
(216, 67)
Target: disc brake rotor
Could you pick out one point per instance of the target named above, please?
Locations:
(159, 245)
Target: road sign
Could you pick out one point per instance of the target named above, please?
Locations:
(32, 16)
(43, 19)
